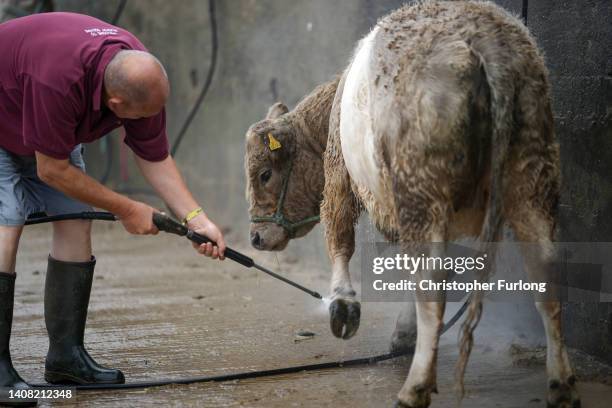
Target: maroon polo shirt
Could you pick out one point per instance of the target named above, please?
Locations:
(51, 85)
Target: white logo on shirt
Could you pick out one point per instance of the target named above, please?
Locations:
(96, 32)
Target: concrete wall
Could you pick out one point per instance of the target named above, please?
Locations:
(577, 39)
(278, 50)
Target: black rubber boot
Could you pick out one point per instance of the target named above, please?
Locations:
(9, 379)
(67, 290)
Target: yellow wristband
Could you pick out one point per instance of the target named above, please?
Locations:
(192, 215)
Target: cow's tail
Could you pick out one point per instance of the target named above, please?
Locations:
(501, 89)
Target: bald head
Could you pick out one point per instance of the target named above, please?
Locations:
(136, 84)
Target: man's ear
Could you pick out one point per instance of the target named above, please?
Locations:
(115, 103)
(276, 110)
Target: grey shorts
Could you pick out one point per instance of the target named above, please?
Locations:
(22, 193)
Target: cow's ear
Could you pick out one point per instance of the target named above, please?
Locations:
(277, 110)
(276, 136)
(280, 142)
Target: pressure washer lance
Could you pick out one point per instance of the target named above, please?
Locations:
(167, 224)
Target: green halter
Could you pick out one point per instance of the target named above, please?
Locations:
(279, 218)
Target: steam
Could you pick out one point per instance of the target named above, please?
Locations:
(322, 307)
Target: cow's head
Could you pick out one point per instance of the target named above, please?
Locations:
(284, 180)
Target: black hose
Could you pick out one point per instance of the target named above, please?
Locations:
(524, 11)
(257, 374)
(106, 216)
(119, 12)
(87, 215)
(209, 77)
(108, 141)
(194, 110)
(108, 166)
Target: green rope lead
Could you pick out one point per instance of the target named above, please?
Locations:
(279, 218)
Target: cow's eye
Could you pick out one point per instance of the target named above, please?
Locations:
(265, 176)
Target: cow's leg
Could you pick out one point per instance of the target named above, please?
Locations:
(561, 380)
(405, 333)
(421, 381)
(530, 226)
(423, 220)
(339, 218)
(344, 309)
(339, 213)
(421, 191)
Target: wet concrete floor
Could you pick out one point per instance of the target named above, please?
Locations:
(158, 310)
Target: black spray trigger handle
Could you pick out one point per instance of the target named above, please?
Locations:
(167, 224)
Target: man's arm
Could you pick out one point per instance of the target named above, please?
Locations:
(136, 217)
(167, 181)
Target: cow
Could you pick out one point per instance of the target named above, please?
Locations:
(440, 128)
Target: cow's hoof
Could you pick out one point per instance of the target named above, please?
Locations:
(563, 394)
(400, 404)
(417, 397)
(344, 315)
(403, 341)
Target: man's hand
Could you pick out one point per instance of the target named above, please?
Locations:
(202, 225)
(138, 219)
(165, 178)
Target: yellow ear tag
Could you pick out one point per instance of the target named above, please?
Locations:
(274, 144)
